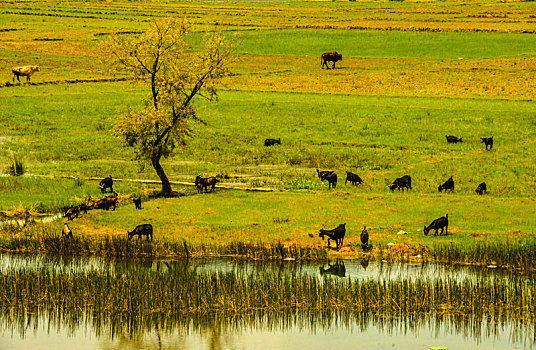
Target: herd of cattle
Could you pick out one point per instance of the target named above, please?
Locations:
(439, 225)
(337, 234)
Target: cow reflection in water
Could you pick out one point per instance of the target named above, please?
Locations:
(364, 263)
(336, 269)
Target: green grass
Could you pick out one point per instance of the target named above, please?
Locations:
(225, 217)
(382, 114)
(379, 44)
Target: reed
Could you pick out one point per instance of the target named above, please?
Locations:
(518, 256)
(46, 242)
(178, 291)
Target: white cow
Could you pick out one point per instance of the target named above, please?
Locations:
(25, 71)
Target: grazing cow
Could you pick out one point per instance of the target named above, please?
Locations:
(328, 175)
(332, 180)
(204, 183)
(211, 181)
(66, 232)
(453, 139)
(142, 230)
(322, 174)
(448, 185)
(441, 223)
(83, 207)
(364, 238)
(106, 183)
(199, 183)
(481, 188)
(401, 183)
(72, 212)
(25, 71)
(271, 142)
(353, 178)
(331, 57)
(337, 269)
(137, 202)
(488, 141)
(105, 203)
(336, 234)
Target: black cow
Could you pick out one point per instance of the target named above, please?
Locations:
(328, 175)
(401, 183)
(353, 178)
(199, 183)
(481, 188)
(322, 174)
(330, 57)
(364, 238)
(453, 139)
(83, 207)
(448, 185)
(337, 234)
(271, 142)
(332, 180)
(488, 141)
(441, 223)
(72, 212)
(137, 202)
(106, 183)
(142, 230)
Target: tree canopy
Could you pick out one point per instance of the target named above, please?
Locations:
(176, 75)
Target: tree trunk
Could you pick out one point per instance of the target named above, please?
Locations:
(166, 186)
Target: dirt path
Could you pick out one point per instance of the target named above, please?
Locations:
(229, 186)
(58, 82)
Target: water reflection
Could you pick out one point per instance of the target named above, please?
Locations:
(336, 269)
(351, 269)
(257, 330)
(45, 328)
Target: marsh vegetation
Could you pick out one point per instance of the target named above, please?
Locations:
(413, 72)
(119, 297)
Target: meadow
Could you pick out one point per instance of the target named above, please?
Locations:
(412, 72)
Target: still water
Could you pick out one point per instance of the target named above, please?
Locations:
(260, 330)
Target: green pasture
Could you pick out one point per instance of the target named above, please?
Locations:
(382, 114)
(225, 217)
(396, 44)
(68, 132)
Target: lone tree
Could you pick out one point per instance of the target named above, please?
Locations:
(161, 58)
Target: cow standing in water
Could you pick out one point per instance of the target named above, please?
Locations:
(331, 57)
(25, 71)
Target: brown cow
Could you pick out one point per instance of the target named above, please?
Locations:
(106, 203)
(332, 57)
(25, 71)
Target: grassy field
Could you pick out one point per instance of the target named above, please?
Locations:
(412, 72)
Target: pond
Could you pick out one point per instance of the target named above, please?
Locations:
(65, 328)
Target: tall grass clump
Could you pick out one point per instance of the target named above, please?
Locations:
(16, 166)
